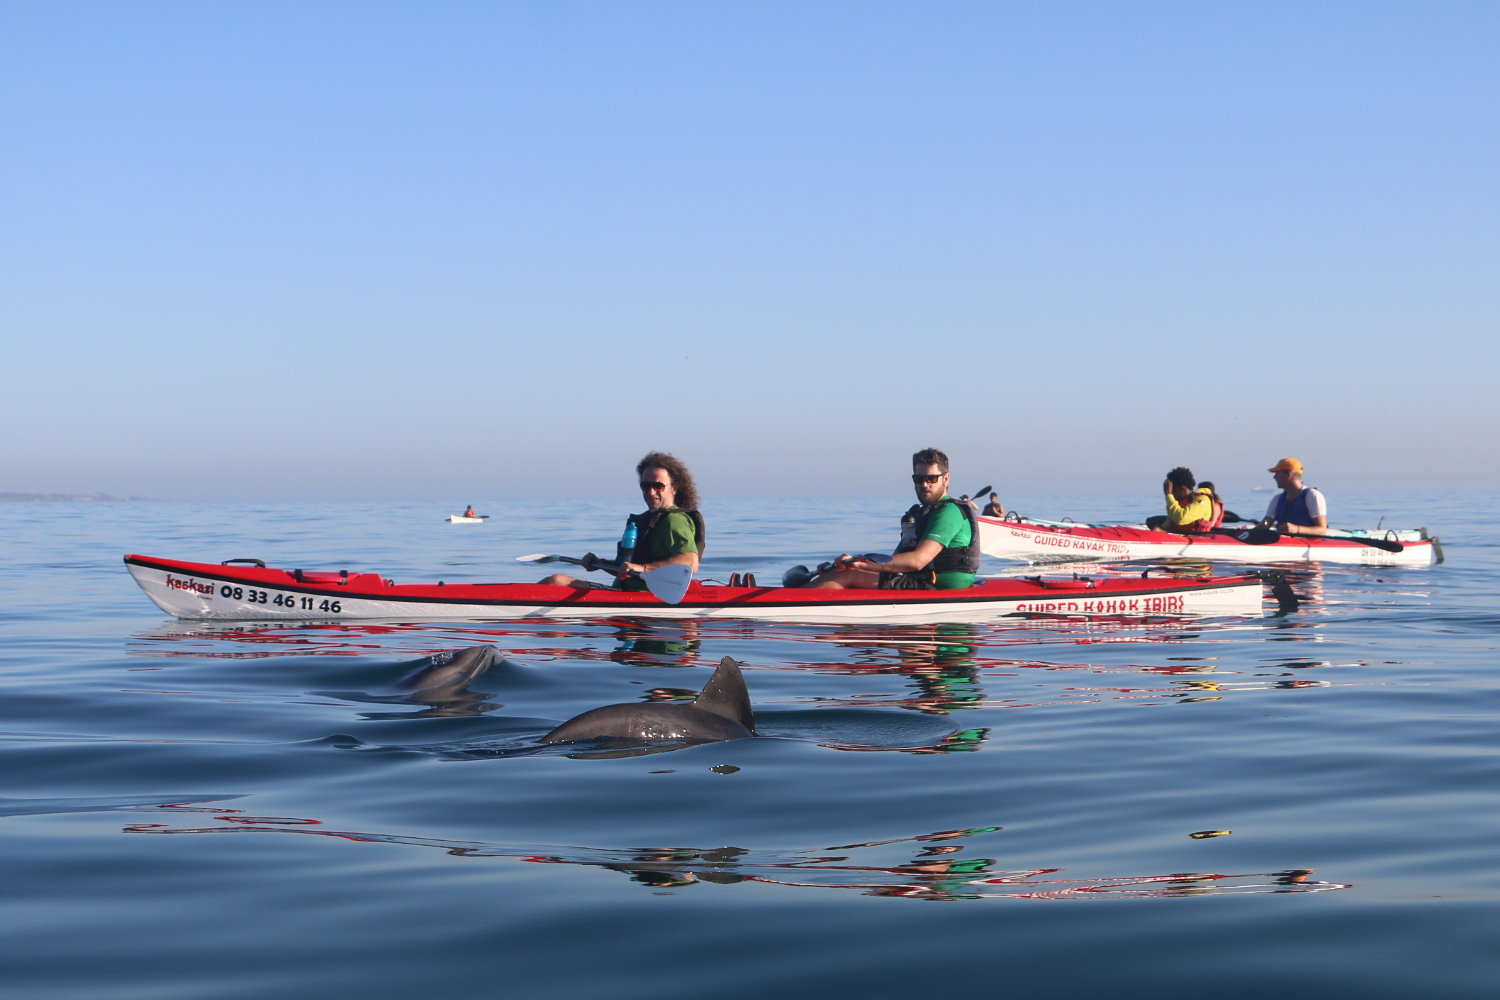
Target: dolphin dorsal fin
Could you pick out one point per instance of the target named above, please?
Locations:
(725, 694)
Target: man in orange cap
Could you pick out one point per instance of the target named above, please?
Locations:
(1297, 509)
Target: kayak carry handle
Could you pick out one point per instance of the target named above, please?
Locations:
(253, 562)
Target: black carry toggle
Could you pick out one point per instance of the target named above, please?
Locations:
(253, 562)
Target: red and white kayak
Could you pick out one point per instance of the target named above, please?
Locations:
(224, 592)
(1037, 541)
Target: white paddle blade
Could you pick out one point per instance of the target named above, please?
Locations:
(670, 582)
(538, 557)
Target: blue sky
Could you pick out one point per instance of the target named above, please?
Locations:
(369, 250)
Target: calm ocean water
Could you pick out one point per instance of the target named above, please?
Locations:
(242, 811)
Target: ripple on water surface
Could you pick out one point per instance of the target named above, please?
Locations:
(242, 809)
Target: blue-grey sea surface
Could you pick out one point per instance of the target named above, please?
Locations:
(254, 810)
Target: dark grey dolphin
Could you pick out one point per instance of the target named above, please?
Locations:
(720, 712)
(447, 673)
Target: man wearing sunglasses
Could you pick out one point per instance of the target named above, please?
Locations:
(669, 531)
(939, 547)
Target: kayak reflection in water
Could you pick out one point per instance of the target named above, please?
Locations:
(923, 877)
(939, 547)
(670, 530)
(939, 660)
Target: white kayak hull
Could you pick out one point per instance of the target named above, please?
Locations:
(460, 519)
(207, 592)
(1047, 542)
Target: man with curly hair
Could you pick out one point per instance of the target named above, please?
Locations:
(670, 530)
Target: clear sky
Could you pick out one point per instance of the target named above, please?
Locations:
(370, 250)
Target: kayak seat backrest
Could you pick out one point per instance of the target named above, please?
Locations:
(1067, 584)
(355, 579)
(307, 576)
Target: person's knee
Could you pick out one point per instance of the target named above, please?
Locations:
(557, 580)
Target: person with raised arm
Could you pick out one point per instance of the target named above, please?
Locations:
(1191, 509)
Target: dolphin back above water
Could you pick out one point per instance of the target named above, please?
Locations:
(449, 671)
(720, 712)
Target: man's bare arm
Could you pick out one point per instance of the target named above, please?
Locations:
(903, 562)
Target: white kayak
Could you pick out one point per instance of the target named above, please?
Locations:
(460, 519)
(1033, 540)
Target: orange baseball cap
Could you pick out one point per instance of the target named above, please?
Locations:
(1287, 465)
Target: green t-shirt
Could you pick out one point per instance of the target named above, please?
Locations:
(672, 537)
(949, 528)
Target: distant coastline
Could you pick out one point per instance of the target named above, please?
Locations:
(69, 498)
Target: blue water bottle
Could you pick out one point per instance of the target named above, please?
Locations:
(626, 549)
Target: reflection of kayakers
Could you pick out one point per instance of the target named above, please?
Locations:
(939, 547)
(1297, 509)
(669, 531)
(469, 511)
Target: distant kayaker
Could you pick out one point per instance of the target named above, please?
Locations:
(1191, 509)
(939, 548)
(1297, 509)
(994, 508)
(669, 531)
(469, 511)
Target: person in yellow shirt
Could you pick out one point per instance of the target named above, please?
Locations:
(1190, 509)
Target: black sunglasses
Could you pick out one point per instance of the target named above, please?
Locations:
(654, 486)
(927, 479)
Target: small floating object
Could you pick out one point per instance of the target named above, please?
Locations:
(723, 769)
(1205, 834)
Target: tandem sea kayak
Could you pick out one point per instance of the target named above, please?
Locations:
(1037, 541)
(210, 591)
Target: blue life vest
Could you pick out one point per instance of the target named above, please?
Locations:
(1298, 514)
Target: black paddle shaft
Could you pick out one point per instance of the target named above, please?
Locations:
(1270, 536)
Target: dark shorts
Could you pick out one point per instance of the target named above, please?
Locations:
(924, 580)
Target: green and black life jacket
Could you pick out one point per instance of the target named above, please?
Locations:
(653, 520)
(964, 559)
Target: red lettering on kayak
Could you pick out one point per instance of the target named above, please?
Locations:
(206, 589)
